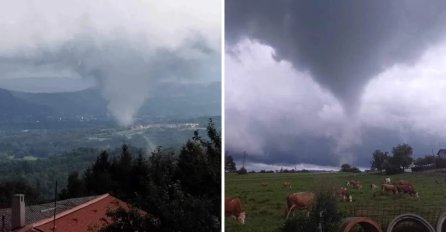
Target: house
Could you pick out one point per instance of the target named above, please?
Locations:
(442, 153)
(76, 214)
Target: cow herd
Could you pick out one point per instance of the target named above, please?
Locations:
(402, 186)
(303, 200)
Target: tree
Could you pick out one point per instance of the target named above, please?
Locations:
(98, 179)
(428, 159)
(345, 167)
(348, 168)
(120, 172)
(176, 190)
(230, 164)
(379, 159)
(130, 220)
(199, 166)
(75, 187)
(402, 156)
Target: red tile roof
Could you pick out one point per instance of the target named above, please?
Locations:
(89, 216)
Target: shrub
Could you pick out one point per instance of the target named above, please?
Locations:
(300, 222)
(393, 170)
(242, 171)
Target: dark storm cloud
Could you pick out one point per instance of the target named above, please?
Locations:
(281, 117)
(342, 43)
(126, 71)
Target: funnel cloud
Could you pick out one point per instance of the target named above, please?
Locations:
(343, 44)
(128, 49)
(328, 82)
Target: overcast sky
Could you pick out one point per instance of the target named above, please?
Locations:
(327, 82)
(123, 47)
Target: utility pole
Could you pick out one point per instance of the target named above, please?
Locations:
(55, 205)
(244, 159)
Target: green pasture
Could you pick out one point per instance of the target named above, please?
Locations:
(265, 206)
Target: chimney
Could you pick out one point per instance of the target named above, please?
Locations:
(18, 211)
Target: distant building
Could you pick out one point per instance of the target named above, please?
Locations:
(409, 169)
(76, 214)
(442, 153)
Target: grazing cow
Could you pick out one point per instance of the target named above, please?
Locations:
(373, 187)
(344, 194)
(300, 200)
(389, 188)
(287, 184)
(357, 186)
(264, 184)
(403, 182)
(233, 208)
(387, 180)
(407, 189)
(354, 184)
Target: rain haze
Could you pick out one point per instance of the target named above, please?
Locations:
(126, 49)
(321, 83)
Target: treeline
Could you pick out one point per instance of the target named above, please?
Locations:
(429, 162)
(401, 158)
(396, 162)
(179, 192)
(8, 188)
(231, 167)
(41, 174)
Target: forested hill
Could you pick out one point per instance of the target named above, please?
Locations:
(167, 100)
(14, 108)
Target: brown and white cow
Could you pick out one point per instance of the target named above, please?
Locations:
(389, 188)
(407, 189)
(264, 184)
(404, 182)
(354, 184)
(287, 184)
(387, 180)
(300, 200)
(233, 208)
(344, 194)
(373, 187)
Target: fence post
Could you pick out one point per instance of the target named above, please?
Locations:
(321, 218)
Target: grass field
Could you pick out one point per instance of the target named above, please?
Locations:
(265, 206)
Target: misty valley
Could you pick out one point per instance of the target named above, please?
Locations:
(31, 144)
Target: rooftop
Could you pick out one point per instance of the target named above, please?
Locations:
(75, 214)
(35, 213)
(89, 216)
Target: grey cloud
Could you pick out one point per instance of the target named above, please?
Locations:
(126, 47)
(342, 43)
(280, 116)
(125, 70)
